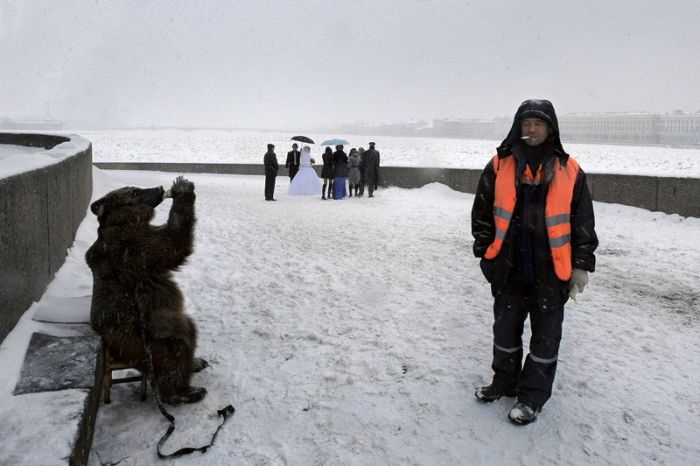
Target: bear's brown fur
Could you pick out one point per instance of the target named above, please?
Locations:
(132, 264)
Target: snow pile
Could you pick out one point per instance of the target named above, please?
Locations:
(20, 159)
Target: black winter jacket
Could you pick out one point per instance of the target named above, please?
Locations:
(340, 163)
(327, 171)
(505, 269)
(270, 163)
(525, 257)
(370, 164)
(293, 157)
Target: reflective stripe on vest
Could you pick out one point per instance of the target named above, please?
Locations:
(557, 207)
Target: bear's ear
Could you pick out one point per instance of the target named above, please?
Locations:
(98, 207)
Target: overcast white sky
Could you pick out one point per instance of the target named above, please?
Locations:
(295, 64)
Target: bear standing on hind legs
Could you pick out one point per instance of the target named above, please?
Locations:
(132, 263)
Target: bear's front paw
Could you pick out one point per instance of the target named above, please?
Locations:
(181, 185)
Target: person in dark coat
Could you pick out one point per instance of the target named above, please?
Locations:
(534, 230)
(370, 163)
(340, 172)
(271, 169)
(327, 173)
(377, 163)
(292, 163)
(363, 176)
(354, 171)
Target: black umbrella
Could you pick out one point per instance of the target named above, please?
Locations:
(303, 139)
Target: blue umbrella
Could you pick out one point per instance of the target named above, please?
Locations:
(335, 142)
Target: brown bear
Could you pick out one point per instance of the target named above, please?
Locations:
(132, 263)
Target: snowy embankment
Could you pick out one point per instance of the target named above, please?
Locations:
(353, 333)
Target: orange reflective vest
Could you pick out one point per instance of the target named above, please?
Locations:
(557, 207)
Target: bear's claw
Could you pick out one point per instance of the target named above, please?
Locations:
(181, 185)
(199, 364)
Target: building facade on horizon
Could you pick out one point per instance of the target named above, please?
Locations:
(675, 129)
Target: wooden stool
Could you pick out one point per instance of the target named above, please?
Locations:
(108, 381)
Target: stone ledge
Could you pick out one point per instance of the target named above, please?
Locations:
(51, 417)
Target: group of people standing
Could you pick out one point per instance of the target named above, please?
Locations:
(357, 169)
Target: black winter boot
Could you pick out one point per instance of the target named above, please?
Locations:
(523, 413)
(323, 192)
(493, 392)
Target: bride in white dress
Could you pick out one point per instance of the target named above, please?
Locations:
(306, 181)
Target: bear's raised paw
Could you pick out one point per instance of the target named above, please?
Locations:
(181, 185)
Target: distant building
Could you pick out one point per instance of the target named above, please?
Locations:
(680, 129)
(400, 128)
(631, 128)
(676, 129)
(463, 128)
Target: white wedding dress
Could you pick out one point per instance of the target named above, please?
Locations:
(306, 182)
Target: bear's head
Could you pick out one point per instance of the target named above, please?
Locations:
(127, 205)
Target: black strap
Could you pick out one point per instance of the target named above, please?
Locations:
(225, 412)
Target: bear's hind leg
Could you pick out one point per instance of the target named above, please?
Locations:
(173, 365)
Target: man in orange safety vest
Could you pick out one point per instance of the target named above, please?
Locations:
(534, 230)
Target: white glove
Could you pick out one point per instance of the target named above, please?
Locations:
(577, 282)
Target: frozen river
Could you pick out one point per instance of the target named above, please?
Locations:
(218, 146)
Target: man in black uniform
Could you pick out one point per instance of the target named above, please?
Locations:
(370, 164)
(271, 169)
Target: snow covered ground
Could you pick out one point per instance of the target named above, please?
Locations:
(218, 146)
(354, 332)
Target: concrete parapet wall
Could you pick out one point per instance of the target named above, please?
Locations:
(459, 179)
(47, 141)
(671, 195)
(223, 168)
(638, 191)
(679, 195)
(40, 211)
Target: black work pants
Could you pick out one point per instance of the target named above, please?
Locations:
(371, 180)
(534, 380)
(270, 187)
